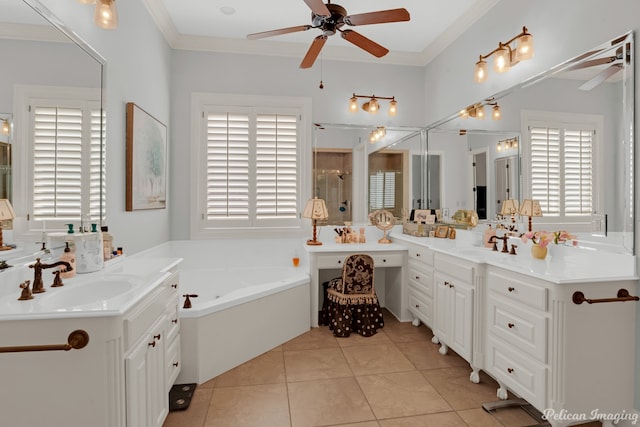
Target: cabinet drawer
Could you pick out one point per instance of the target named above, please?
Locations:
(420, 277)
(173, 361)
(421, 254)
(137, 322)
(522, 328)
(379, 260)
(421, 305)
(516, 290)
(173, 321)
(523, 375)
(454, 268)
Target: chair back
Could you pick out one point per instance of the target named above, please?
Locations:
(357, 275)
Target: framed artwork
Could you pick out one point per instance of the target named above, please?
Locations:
(442, 231)
(422, 215)
(146, 160)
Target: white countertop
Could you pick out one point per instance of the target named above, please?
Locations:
(109, 292)
(563, 264)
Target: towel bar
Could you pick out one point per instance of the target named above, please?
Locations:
(623, 295)
(77, 339)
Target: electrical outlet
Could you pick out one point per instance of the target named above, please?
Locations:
(445, 212)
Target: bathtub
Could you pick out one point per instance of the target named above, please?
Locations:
(250, 300)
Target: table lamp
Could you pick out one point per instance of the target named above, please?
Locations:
(315, 209)
(509, 208)
(6, 217)
(530, 208)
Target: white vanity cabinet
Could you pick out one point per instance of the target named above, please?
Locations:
(420, 279)
(152, 355)
(558, 355)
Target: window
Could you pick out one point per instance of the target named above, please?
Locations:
(65, 159)
(250, 158)
(562, 166)
(382, 191)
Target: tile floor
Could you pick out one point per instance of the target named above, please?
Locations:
(396, 378)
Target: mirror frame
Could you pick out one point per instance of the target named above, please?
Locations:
(627, 125)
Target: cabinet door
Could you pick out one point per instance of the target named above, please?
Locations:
(136, 385)
(461, 299)
(442, 309)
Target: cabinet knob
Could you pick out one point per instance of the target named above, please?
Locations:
(174, 285)
(152, 344)
(418, 254)
(417, 277)
(339, 261)
(417, 305)
(384, 260)
(510, 325)
(510, 370)
(174, 321)
(175, 364)
(511, 289)
(156, 337)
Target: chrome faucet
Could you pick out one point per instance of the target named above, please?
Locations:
(38, 286)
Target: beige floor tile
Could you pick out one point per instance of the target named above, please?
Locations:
(444, 419)
(268, 368)
(406, 332)
(453, 384)
(376, 359)
(357, 339)
(327, 402)
(209, 384)
(249, 406)
(315, 338)
(401, 394)
(513, 417)
(304, 365)
(364, 424)
(478, 418)
(195, 414)
(425, 355)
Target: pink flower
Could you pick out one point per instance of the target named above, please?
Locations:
(543, 238)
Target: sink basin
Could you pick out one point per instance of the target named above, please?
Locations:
(93, 294)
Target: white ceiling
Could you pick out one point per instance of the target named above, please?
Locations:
(204, 25)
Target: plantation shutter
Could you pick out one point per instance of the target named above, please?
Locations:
(276, 166)
(545, 169)
(578, 171)
(97, 170)
(57, 163)
(227, 166)
(382, 190)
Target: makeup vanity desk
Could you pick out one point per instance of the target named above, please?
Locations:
(326, 260)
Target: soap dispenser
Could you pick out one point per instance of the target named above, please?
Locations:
(488, 233)
(69, 257)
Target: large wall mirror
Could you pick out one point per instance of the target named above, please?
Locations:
(361, 169)
(50, 69)
(565, 137)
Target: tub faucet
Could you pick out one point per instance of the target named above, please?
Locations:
(38, 286)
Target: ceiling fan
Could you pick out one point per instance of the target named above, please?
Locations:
(330, 18)
(616, 63)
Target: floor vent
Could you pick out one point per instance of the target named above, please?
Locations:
(180, 396)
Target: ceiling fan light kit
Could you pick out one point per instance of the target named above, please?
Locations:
(505, 56)
(330, 18)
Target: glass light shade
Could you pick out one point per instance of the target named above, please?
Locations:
(480, 112)
(499, 146)
(315, 209)
(106, 15)
(87, 1)
(373, 106)
(524, 49)
(6, 127)
(480, 72)
(530, 207)
(495, 114)
(393, 107)
(353, 104)
(464, 114)
(501, 60)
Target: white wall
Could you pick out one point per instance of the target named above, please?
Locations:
(138, 70)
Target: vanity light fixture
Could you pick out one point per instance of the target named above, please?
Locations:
(372, 106)
(476, 111)
(106, 15)
(377, 134)
(316, 209)
(505, 56)
(6, 127)
(6, 217)
(507, 144)
(530, 208)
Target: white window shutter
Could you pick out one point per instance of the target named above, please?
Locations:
(578, 171)
(545, 169)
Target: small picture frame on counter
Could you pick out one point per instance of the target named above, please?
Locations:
(442, 231)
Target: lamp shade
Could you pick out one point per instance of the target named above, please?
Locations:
(530, 208)
(524, 48)
(509, 207)
(480, 72)
(315, 209)
(6, 127)
(6, 210)
(501, 60)
(106, 15)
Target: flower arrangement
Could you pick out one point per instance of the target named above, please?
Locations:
(543, 238)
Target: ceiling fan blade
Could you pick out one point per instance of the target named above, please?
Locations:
(380, 17)
(287, 30)
(313, 52)
(601, 77)
(318, 7)
(592, 63)
(364, 43)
